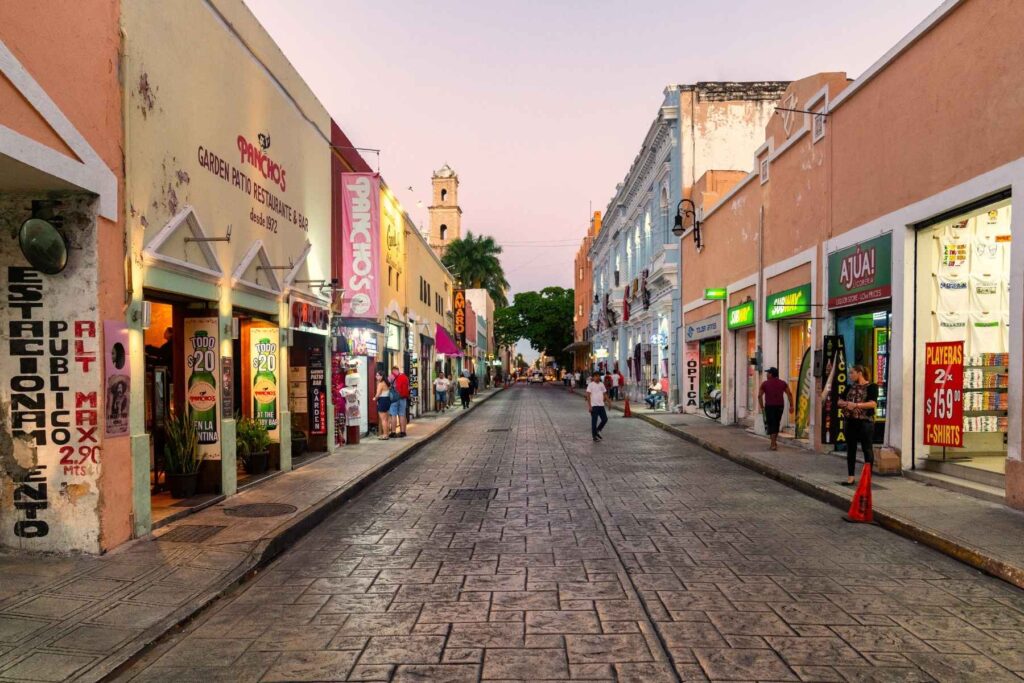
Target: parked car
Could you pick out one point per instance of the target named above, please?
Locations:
(536, 378)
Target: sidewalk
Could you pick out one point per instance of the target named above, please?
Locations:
(81, 617)
(988, 536)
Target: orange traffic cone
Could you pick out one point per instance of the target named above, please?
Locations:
(860, 508)
(626, 412)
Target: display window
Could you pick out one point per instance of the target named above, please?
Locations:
(962, 285)
(710, 367)
(795, 340)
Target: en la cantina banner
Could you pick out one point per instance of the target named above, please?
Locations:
(202, 365)
(943, 394)
(264, 344)
(360, 247)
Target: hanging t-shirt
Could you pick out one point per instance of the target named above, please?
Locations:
(986, 334)
(961, 230)
(993, 226)
(986, 294)
(953, 256)
(953, 292)
(950, 326)
(987, 258)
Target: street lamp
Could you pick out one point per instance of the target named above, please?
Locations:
(681, 214)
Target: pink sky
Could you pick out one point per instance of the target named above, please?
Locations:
(541, 106)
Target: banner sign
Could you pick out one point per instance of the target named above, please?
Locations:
(861, 273)
(360, 247)
(796, 301)
(704, 329)
(117, 365)
(316, 375)
(202, 365)
(310, 316)
(460, 317)
(691, 378)
(835, 373)
(715, 293)
(741, 316)
(227, 388)
(264, 343)
(943, 394)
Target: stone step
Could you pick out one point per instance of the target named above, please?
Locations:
(961, 470)
(992, 494)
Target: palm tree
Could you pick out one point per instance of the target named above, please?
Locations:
(474, 258)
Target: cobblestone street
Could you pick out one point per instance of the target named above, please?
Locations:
(516, 548)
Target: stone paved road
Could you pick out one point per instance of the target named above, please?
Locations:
(641, 558)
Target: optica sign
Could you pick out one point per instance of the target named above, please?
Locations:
(796, 301)
(360, 249)
(741, 316)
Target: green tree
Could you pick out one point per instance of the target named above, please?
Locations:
(543, 318)
(475, 258)
(508, 328)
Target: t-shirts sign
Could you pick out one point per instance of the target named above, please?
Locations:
(943, 394)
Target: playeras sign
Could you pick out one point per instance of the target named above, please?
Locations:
(360, 248)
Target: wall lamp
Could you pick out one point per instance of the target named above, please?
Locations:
(681, 214)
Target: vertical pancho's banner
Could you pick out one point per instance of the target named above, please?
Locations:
(360, 245)
(202, 366)
(943, 394)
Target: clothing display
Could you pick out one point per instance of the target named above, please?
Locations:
(950, 326)
(954, 292)
(986, 332)
(954, 257)
(986, 294)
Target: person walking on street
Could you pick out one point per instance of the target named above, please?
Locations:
(400, 407)
(383, 397)
(596, 392)
(473, 384)
(771, 398)
(858, 407)
(441, 386)
(464, 390)
(613, 381)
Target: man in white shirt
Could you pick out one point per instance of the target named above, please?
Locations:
(614, 393)
(441, 386)
(595, 404)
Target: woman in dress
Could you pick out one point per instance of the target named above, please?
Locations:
(383, 406)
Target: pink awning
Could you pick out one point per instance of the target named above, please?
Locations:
(445, 344)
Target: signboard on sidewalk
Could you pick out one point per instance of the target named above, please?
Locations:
(943, 394)
(691, 379)
(316, 375)
(835, 374)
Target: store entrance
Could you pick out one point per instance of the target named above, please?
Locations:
(180, 383)
(963, 281)
(865, 334)
(710, 367)
(307, 396)
(794, 356)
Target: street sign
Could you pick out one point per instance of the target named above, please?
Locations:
(715, 294)
(943, 394)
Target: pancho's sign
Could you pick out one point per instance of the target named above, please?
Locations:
(459, 301)
(360, 248)
(861, 273)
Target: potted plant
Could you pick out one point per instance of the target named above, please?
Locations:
(253, 444)
(181, 455)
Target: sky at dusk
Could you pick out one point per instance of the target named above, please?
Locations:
(540, 106)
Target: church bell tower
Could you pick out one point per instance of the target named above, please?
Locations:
(445, 214)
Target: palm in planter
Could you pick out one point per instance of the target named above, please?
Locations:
(253, 444)
(181, 455)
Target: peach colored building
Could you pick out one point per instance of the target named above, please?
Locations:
(583, 294)
(65, 459)
(880, 224)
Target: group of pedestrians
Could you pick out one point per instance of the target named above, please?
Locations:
(392, 398)
(466, 385)
(858, 406)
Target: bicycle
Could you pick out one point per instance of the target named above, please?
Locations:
(713, 405)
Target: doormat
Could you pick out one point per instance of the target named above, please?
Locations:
(471, 494)
(191, 533)
(260, 510)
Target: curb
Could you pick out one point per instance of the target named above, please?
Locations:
(266, 551)
(958, 550)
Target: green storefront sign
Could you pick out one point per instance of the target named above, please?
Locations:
(715, 294)
(796, 301)
(741, 315)
(861, 273)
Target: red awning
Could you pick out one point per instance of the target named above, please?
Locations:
(445, 343)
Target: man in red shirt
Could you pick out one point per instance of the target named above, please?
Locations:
(772, 400)
(400, 408)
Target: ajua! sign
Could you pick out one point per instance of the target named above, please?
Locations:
(360, 248)
(861, 273)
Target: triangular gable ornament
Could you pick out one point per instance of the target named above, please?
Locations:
(264, 279)
(184, 225)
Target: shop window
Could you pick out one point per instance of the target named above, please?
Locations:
(963, 281)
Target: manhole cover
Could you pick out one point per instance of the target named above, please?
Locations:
(260, 510)
(506, 429)
(190, 533)
(471, 494)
